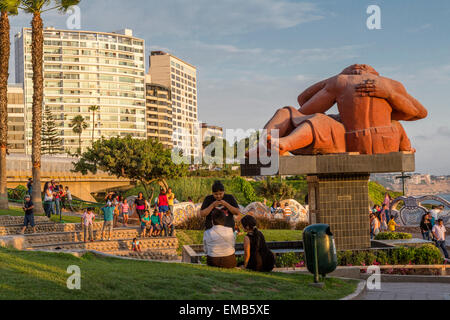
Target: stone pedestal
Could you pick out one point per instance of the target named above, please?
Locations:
(339, 189)
(342, 201)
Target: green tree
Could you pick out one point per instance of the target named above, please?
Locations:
(78, 125)
(51, 140)
(36, 8)
(275, 190)
(7, 7)
(94, 109)
(146, 161)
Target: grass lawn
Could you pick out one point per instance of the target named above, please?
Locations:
(42, 276)
(17, 212)
(188, 237)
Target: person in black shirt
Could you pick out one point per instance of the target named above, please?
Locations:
(29, 216)
(30, 186)
(257, 255)
(426, 227)
(140, 205)
(225, 202)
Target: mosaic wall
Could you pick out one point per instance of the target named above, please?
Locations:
(411, 213)
(185, 210)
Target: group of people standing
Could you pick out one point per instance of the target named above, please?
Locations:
(56, 197)
(381, 220)
(433, 228)
(152, 224)
(157, 218)
(219, 239)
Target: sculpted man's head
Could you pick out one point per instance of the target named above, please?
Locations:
(358, 69)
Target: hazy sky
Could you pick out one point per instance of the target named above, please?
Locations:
(255, 56)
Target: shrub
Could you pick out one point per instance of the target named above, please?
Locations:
(288, 260)
(193, 223)
(402, 255)
(393, 236)
(246, 188)
(273, 224)
(370, 258)
(301, 225)
(427, 254)
(18, 193)
(345, 258)
(382, 257)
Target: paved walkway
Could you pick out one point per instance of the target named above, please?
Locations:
(409, 291)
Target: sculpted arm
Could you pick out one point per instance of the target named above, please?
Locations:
(310, 92)
(321, 101)
(404, 106)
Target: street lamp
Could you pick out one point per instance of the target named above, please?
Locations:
(403, 177)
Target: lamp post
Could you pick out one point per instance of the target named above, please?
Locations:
(403, 177)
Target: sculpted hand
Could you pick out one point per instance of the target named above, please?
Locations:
(374, 88)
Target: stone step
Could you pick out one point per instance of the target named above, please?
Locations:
(45, 228)
(147, 255)
(168, 245)
(18, 220)
(77, 236)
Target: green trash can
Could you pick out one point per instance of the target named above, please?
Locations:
(320, 250)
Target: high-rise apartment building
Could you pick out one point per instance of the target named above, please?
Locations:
(16, 119)
(159, 113)
(82, 69)
(181, 78)
(209, 131)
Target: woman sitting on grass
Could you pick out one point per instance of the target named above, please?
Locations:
(219, 242)
(257, 256)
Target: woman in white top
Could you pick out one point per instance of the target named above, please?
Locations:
(219, 243)
(48, 200)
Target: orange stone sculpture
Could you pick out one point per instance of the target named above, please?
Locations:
(370, 107)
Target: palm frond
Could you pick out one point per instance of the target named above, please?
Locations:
(10, 6)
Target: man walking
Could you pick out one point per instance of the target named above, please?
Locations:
(439, 234)
(29, 215)
(108, 216)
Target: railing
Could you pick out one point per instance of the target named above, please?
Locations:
(17, 196)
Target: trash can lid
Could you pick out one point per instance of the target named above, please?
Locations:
(318, 228)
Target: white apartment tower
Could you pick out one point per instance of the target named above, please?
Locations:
(82, 69)
(181, 78)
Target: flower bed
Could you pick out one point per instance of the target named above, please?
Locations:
(415, 270)
(424, 255)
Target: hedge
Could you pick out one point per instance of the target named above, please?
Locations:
(425, 255)
(393, 236)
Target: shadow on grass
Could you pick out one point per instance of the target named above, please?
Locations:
(36, 275)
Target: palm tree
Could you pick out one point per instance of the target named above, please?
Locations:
(94, 109)
(36, 8)
(7, 7)
(78, 125)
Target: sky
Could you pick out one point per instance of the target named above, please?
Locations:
(255, 56)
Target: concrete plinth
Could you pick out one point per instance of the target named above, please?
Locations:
(339, 189)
